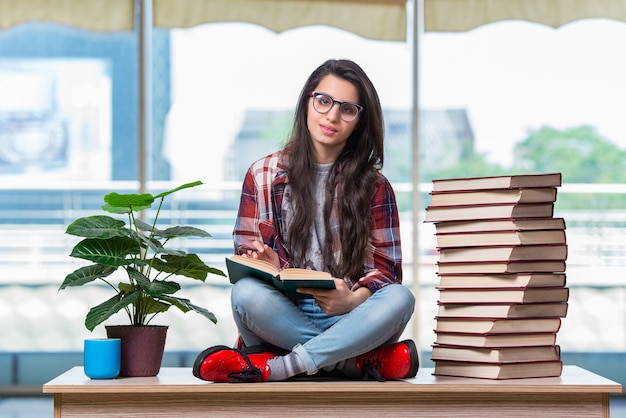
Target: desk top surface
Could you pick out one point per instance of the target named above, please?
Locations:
(180, 379)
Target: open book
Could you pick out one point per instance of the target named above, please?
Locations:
(287, 280)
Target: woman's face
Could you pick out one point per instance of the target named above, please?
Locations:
(329, 132)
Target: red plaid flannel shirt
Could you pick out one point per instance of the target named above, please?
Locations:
(260, 218)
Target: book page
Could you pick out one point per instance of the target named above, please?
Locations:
(303, 274)
(258, 264)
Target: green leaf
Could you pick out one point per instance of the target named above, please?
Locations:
(188, 265)
(163, 250)
(86, 274)
(143, 226)
(127, 288)
(150, 287)
(182, 231)
(99, 314)
(109, 252)
(158, 248)
(185, 305)
(153, 243)
(184, 186)
(139, 278)
(98, 226)
(150, 305)
(162, 287)
(126, 203)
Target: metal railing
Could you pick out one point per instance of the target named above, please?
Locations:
(34, 248)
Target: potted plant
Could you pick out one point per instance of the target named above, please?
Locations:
(137, 251)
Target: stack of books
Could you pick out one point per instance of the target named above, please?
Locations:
(501, 271)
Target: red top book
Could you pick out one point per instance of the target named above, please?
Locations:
(496, 355)
(497, 371)
(497, 182)
(503, 253)
(497, 196)
(512, 310)
(484, 212)
(495, 340)
(501, 267)
(496, 281)
(475, 239)
(499, 225)
(487, 326)
(519, 295)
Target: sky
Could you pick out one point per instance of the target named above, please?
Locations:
(518, 76)
(511, 77)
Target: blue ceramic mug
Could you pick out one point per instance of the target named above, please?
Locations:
(102, 358)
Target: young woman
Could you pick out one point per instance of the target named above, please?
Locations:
(322, 203)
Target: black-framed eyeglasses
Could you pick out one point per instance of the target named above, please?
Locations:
(322, 103)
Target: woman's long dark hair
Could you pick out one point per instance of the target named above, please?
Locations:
(352, 179)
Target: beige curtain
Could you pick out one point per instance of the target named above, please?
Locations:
(98, 15)
(462, 15)
(373, 19)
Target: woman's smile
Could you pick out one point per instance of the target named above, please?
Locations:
(328, 130)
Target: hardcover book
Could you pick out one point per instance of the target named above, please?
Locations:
(520, 295)
(501, 267)
(496, 340)
(488, 326)
(503, 310)
(287, 280)
(499, 370)
(503, 253)
(494, 281)
(498, 225)
(496, 355)
(498, 182)
(504, 238)
(489, 197)
(478, 212)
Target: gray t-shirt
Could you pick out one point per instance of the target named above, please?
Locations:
(314, 255)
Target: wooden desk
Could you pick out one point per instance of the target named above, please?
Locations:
(175, 392)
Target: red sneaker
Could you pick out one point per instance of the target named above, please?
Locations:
(223, 364)
(390, 362)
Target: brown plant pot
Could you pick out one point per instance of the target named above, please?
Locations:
(142, 348)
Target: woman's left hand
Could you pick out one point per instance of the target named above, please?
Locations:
(340, 300)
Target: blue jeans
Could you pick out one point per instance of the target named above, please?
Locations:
(264, 315)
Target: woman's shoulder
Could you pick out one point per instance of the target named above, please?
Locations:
(273, 161)
(381, 180)
(383, 187)
(268, 169)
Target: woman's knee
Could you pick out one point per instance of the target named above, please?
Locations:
(402, 297)
(248, 291)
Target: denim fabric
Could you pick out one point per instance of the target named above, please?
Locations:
(264, 315)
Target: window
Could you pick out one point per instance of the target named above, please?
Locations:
(223, 95)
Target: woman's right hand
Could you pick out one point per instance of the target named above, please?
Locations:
(263, 252)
